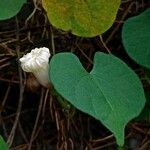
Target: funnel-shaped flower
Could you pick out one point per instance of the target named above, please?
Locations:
(37, 62)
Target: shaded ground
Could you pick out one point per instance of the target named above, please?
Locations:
(31, 117)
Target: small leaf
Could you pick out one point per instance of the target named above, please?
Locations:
(136, 38)
(85, 18)
(111, 92)
(3, 145)
(9, 8)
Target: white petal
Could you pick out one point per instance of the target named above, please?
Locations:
(37, 62)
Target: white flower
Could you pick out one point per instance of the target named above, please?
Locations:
(37, 62)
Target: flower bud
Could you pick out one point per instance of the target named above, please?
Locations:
(37, 62)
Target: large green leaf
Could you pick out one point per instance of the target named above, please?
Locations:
(3, 145)
(136, 38)
(86, 18)
(9, 8)
(111, 92)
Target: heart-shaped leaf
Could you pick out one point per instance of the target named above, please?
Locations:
(111, 92)
(3, 145)
(9, 8)
(136, 38)
(85, 18)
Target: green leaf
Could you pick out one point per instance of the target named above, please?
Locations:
(3, 145)
(136, 38)
(85, 18)
(9, 8)
(111, 92)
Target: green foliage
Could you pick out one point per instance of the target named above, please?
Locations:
(85, 18)
(9, 8)
(136, 38)
(3, 145)
(111, 92)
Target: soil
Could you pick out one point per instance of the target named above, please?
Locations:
(31, 118)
